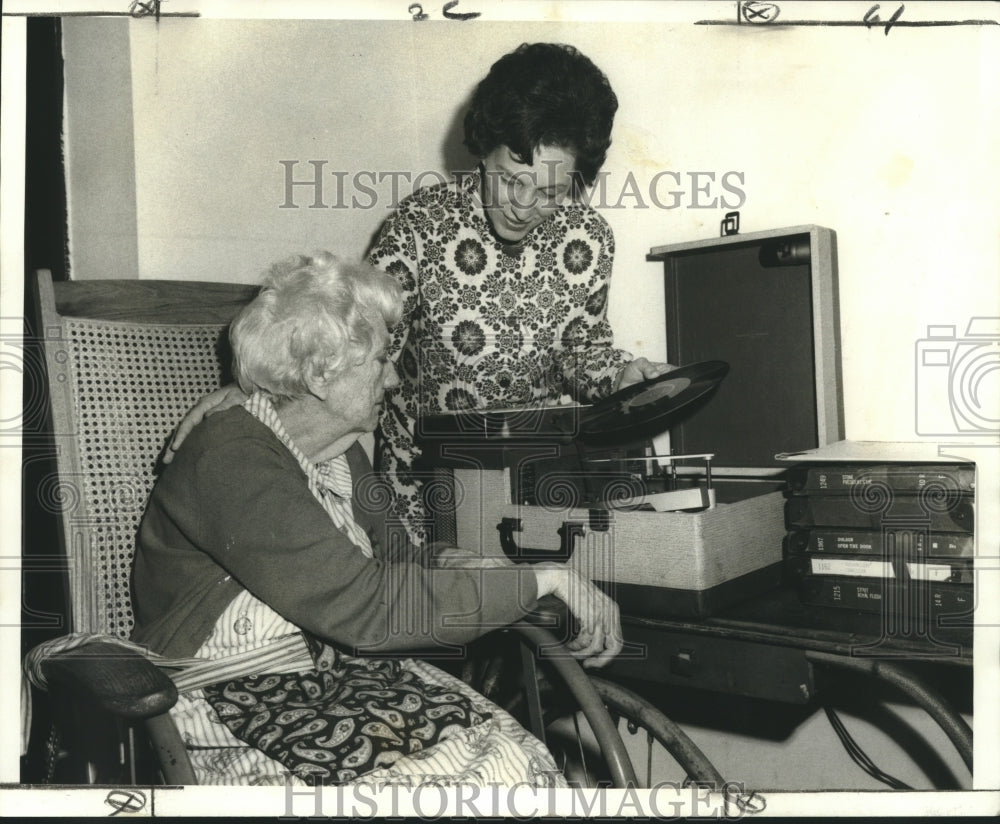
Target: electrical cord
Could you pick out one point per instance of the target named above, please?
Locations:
(858, 755)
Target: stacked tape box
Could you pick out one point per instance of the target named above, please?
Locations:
(883, 537)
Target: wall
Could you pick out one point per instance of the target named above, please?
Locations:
(884, 138)
(98, 150)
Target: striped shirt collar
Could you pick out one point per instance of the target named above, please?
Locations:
(333, 474)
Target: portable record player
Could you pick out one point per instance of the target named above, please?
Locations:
(598, 450)
(668, 492)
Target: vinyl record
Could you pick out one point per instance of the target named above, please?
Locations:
(648, 408)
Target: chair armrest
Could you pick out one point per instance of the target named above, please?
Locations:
(554, 616)
(576, 679)
(114, 678)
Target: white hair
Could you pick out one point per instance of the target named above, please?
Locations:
(313, 316)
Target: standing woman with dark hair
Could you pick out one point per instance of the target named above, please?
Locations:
(505, 271)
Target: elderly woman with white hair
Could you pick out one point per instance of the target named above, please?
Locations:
(264, 541)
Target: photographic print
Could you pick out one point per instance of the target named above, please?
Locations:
(342, 340)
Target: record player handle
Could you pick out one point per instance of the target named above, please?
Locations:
(507, 527)
(568, 533)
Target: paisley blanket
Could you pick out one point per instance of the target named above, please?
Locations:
(344, 718)
(496, 752)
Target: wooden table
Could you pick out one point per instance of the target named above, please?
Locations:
(768, 647)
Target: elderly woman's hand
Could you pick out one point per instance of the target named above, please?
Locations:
(640, 370)
(600, 637)
(217, 401)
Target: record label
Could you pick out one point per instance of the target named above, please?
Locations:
(666, 389)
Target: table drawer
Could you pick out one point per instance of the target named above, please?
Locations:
(722, 665)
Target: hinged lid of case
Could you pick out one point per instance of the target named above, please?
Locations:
(766, 304)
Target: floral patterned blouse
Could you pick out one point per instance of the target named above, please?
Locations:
(490, 324)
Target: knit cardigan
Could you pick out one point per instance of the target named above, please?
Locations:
(233, 511)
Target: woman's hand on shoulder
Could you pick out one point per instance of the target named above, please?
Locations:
(641, 370)
(217, 401)
(600, 637)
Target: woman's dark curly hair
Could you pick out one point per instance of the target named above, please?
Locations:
(544, 94)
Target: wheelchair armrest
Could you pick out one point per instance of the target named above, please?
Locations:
(553, 615)
(576, 679)
(116, 679)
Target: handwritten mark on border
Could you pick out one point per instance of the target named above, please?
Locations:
(759, 13)
(456, 15)
(126, 801)
(144, 8)
(416, 11)
(756, 12)
(871, 17)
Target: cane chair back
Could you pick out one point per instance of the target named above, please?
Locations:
(125, 360)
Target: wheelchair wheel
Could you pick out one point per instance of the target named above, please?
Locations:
(643, 727)
(649, 735)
